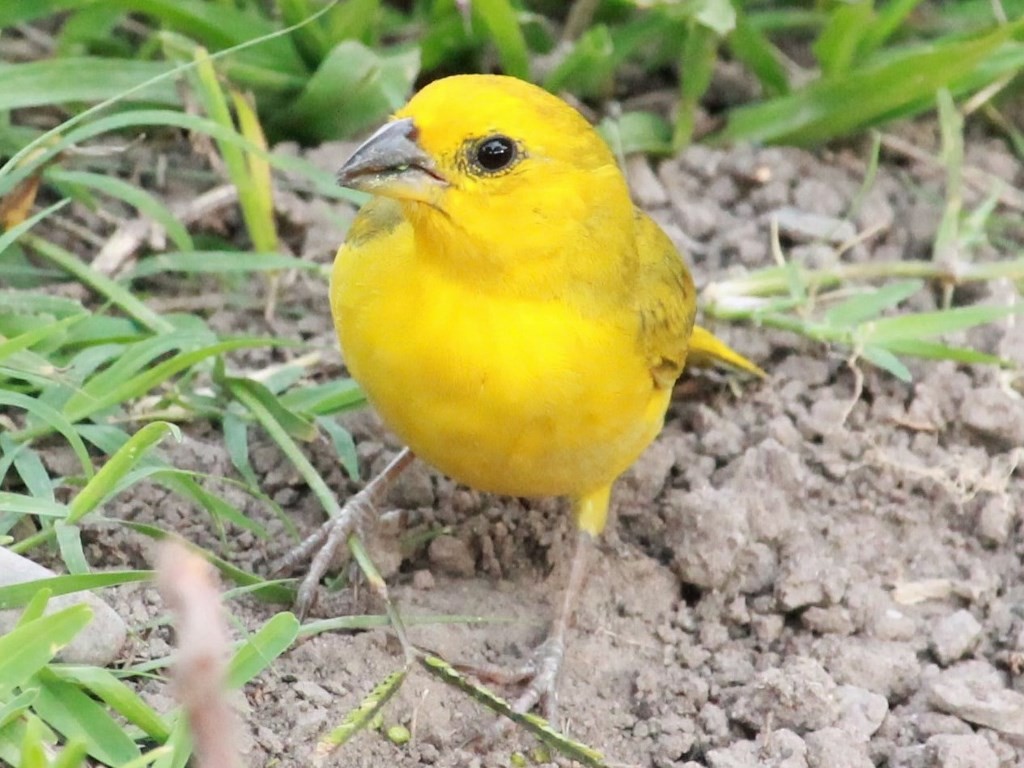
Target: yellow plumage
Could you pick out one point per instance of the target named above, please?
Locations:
(508, 311)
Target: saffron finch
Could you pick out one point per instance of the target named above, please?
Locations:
(510, 313)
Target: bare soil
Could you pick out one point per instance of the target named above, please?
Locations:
(797, 576)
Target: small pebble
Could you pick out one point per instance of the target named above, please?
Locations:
(423, 579)
(313, 693)
(96, 645)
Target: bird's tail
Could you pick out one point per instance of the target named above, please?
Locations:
(708, 351)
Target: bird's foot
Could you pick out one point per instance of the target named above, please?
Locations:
(358, 516)
(321, 547)
(539, 678)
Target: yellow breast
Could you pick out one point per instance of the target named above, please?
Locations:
(502, 393)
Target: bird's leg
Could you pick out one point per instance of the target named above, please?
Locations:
(359, 513)
(547, 660)
(542, 671)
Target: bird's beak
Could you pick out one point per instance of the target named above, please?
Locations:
(391, 163)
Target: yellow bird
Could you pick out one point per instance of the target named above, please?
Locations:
(510, 313)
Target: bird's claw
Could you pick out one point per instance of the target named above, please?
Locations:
(358, 516)
(322, 546)
(543, 686)
(540, 676)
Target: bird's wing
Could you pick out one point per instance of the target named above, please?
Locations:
(666, 302)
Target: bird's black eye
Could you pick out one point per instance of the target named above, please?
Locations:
(495, 153)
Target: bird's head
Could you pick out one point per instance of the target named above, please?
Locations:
(488, 164)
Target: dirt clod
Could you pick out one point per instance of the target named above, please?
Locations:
(884, 667)
(452, 556)
(976, 692)
(955, 636)
(961, 751)
(799, 694)
(835, 748)
(861, 712)
(995, 415)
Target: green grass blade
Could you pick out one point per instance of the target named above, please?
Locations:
(280, 436)
(499, 17)
(261, 648)
(248, 172)
(360, 717)
(85, 79)
(126, 458)
(380, 621)
(589, 65)
(17, 705)
(876, 92)
(296, 426)
(236, 440)
(310, 40)
(924, 325)
(323, 181)
(117, 696)
(72, 756)
(33, 336)
(117, 383)
(42, 148)
(634, 132)
(222, 26)
(945, 247)
(267, 590)
(69, 542)
(179, 745)
(865, 306)
(536, 725)
(344, 445)
(326, 399)
(887, 361)
(751, 46)
(18, 595)
(25, 649)
(30, 505)
(837, 43)
(23, 11)
(186, 486)
(697, 62)
(31, 470)
(936, 351)
(103, 285)
(9, 237)
(72, 712)
(888, 20)
(133, 195)
(83, 406)
(34, 745)
(25, 302)
(36, 607)
(354, 88)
